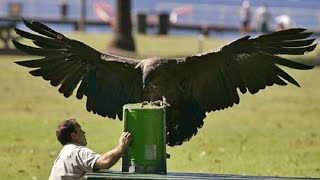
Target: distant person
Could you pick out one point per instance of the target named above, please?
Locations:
(284, 22)
(263, 16)
(245, 17)
(75, 159)
(64, 8)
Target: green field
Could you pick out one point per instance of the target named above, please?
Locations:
(275, 132)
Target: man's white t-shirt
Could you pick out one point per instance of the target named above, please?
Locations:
(73, 162)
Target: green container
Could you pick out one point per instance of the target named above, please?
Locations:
(147, 151)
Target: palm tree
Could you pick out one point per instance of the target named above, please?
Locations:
(123, 38)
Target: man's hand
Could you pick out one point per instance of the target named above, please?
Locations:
(109, 158)
(125, 139)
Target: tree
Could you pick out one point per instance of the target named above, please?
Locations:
(123, 38)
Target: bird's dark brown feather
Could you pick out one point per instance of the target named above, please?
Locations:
(193, 85)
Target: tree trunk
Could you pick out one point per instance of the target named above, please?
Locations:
(123, 38)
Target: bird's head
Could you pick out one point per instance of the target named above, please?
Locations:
(148, 69)
(146, 79)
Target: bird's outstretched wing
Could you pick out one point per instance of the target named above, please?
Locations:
(245, 64)
(108, 81)
(210, 81)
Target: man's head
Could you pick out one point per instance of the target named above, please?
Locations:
(70, 131)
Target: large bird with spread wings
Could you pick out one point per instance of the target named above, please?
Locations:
(192, 85)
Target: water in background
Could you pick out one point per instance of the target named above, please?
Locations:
(305, 13)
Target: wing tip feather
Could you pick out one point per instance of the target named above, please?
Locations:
(21, 63)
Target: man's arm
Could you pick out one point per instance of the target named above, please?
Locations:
(108, 159)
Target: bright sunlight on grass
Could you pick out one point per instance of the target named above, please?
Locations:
(275, 132)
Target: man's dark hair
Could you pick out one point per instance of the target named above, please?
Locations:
(65, 129)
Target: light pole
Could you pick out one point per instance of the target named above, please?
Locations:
(82, 20)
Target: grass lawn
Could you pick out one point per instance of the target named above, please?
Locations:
(275, 132)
